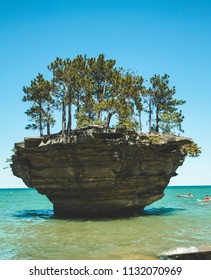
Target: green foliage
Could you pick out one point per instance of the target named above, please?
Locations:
(162, 107)
(154, 140)
(171, 122)
(99, 90)
(192, 150)
(9, 161)
(40, 113)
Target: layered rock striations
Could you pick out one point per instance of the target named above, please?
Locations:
(99, 172)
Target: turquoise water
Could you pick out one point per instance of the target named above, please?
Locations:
(28, 229)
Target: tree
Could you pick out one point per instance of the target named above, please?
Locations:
(101, 72)
(171, 122)
(167, 117)
(59, 67)
(69, 77)
(148, 100)
(129, 100)
(39, 93)
(77, 72)
(99, 91)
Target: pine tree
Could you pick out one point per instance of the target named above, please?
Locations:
(40, 113)
(148, 109)
(59, 67)
(167, 117)
(129, 100)
(101, 71)
(77, 72)
(99, 91)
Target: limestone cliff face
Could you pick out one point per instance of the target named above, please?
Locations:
(99, 172)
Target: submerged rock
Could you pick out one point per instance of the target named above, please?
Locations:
(190, 255)
(99, 172)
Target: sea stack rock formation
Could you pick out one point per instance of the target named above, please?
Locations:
(99, 172)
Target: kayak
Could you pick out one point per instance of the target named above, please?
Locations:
(183, 195)
(202, 200)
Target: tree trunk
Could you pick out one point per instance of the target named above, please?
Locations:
(40, 120)
(150, 115)
(100, 113)
(139, 120)
(69, 125)
(78, 102)
(63, 117)
(41, 129)
(109, 119)
(48, 122)
(157, 120)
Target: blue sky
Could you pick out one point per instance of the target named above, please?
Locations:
(147, 36)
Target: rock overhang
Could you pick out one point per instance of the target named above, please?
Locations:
(99, 172)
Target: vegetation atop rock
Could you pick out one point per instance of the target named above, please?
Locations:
(94, 91)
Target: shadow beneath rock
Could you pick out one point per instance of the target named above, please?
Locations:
(34, 214)
(147, 212)
(49, 214)
(162, 211)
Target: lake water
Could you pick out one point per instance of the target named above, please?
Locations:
(29, 231)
